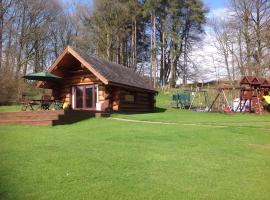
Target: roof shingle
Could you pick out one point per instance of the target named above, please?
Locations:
(116, 73)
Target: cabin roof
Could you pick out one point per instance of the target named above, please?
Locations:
(108, 72)
(116, 73)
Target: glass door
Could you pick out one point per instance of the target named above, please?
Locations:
(89, 96)
(79, 97)
(84, 97)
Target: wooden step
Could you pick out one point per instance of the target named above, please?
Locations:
(48, 117)
(28, 122)
(29, 117)
(31, 113)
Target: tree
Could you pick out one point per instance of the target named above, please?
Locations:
(253, 18)
(223, 44)
(134, 33)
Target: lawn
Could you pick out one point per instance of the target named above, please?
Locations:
(12, 108)
(199, 156)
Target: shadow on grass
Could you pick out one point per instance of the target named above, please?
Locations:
(159, 110)
(156, 110)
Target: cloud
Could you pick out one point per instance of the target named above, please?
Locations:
(205, 55)
(218, 13)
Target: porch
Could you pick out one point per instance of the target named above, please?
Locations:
(48, 117)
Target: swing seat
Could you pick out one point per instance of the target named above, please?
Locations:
(227, 109)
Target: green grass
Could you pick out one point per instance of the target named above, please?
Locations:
(13, 108)
(108, 159)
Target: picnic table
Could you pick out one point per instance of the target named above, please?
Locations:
(182, 99)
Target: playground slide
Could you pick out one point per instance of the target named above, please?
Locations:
(267, 99)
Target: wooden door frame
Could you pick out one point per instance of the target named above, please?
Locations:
(84, 97)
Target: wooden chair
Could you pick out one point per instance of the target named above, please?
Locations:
(58, 104)
(26, 103)
(45, 102)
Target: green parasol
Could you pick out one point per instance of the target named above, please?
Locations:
(42, 76)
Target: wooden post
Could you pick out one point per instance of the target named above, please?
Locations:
(258, 99)
(196, 91)
(214, 101)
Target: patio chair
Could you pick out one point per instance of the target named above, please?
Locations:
(58, 105)
(45, 102)
(26, 103)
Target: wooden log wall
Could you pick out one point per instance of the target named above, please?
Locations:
(111, 98)
(64, 92)
(125, 100)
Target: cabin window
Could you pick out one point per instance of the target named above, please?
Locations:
(130, 97)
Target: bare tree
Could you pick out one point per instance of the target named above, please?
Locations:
(223, 43)
(253, 18)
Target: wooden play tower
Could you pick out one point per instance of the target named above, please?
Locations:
(252, 90)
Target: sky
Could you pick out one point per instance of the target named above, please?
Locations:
(214, 4)
(209, 62)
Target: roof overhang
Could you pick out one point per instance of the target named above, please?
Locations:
(132, 87)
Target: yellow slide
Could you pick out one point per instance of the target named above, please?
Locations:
(267, 99)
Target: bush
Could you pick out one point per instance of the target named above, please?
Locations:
(12, 89)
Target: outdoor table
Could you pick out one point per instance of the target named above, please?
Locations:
(28, 104)
(45, 104)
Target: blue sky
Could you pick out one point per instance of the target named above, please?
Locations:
(214, 4)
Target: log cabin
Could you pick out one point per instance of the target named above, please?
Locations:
(91, 83)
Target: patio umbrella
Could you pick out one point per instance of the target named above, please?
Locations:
(42, 76)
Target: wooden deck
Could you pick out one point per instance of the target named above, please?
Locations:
(48, 118)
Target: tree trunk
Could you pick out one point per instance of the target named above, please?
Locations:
(21, 45)
(8, 49)
(155, 53)
(173, 67)
(118, 51)
(233, 66)
(1, 29)
(226, 60)
(108, 47)
(37, 67)
(241, 63)
(135, 44)
(151, 49)
(25, 68)
(258, 55)
(247, 42)
(185, 61)
(162, 69)
(132, 43)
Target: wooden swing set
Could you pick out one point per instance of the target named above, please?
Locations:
(222, 93)
(251, 93)
(197, 94)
